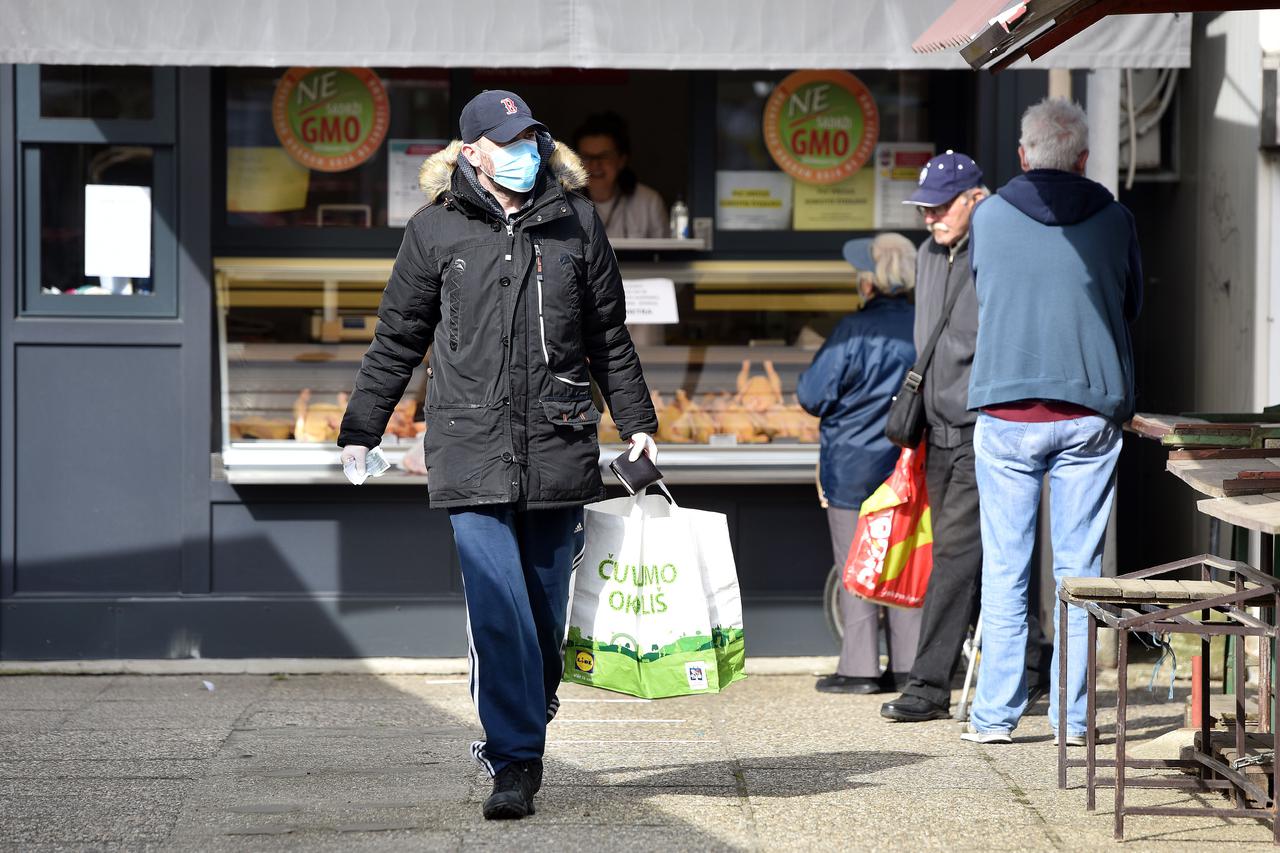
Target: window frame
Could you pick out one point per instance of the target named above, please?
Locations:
(158, 133)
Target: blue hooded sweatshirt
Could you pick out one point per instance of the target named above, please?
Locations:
(1058, 272)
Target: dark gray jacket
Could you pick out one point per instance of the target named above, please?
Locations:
(939, 270)
(521, 316)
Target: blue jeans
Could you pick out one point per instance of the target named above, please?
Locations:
(1079, 455)
(516, 566)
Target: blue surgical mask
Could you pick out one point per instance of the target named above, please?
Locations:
(515, 166)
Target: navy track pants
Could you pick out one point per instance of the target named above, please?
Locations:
(516, 566)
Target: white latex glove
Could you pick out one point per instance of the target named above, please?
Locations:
(642, 442)
(353, 458)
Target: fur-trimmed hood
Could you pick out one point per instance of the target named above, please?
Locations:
(436, 174)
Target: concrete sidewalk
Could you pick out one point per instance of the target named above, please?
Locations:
(365, 762)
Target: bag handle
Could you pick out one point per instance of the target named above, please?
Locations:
(637, 508)
(922, 363)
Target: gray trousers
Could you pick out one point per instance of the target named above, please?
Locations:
(860, 652)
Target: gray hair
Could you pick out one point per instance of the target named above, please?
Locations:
(1055, 132)
(895, 258)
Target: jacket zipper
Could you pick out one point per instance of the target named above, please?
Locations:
(542, 326)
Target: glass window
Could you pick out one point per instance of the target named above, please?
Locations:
(821, 131)
(97, 179)
(269, 184)
(96, 92)
(96, 233)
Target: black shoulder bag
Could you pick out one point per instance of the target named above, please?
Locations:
(906, 423)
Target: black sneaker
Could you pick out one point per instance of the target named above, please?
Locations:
(535, 773)
(513, 790)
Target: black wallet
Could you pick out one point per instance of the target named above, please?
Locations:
(635, 476)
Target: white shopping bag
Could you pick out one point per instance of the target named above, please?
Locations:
(656, 609)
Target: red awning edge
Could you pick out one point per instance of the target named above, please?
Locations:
(962, 21)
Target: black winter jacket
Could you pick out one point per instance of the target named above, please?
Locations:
(521, 315)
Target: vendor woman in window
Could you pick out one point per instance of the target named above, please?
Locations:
(627, 208)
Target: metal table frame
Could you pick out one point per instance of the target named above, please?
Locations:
(1167, 616)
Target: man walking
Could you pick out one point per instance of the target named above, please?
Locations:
(949, 191)
(1059, 277)
(507, 274)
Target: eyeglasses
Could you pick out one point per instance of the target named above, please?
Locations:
(939, 209)
(606, 157)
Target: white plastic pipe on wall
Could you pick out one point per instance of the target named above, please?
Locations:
(1103, 99)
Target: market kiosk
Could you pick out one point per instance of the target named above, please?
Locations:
(277, 190)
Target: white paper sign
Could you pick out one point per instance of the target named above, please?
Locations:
(404, 159)
(898, 166)
(651, 301)
(117, 231)
(753, 201)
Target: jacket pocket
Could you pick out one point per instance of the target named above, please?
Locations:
(565, 450)
(573, 413)
(464, 448)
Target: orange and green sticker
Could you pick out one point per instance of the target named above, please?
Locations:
(821, 126)
(330, 119)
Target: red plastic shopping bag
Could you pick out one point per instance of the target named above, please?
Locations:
(892, 552)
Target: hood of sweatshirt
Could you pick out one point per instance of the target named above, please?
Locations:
(1052, 197)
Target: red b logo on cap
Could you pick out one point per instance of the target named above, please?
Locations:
(510, 105)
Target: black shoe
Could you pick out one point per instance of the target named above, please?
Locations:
(848, 684)
(535, 773)
(513, 790)
(912, 709)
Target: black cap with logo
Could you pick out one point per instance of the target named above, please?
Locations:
(498, 114)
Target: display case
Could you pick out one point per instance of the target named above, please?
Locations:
(723, 378)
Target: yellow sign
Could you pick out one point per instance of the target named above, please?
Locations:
(584, 661)
(847, 206)
(265, 180)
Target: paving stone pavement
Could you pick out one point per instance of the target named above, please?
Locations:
(374, 763)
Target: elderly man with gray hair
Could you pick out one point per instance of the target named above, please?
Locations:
(1059, 278)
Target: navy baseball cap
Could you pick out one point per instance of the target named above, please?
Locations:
(497, 114)
(945, 177)
(858, 253)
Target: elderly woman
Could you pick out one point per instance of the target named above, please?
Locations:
(849, 386)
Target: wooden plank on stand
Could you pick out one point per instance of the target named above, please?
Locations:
(1252, 512)
(1203, 453)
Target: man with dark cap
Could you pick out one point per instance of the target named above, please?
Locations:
(507, 275)
(950, 187)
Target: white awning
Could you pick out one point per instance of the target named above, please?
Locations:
(657, 34)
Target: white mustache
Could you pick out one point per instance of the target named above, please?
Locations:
(938, 226)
